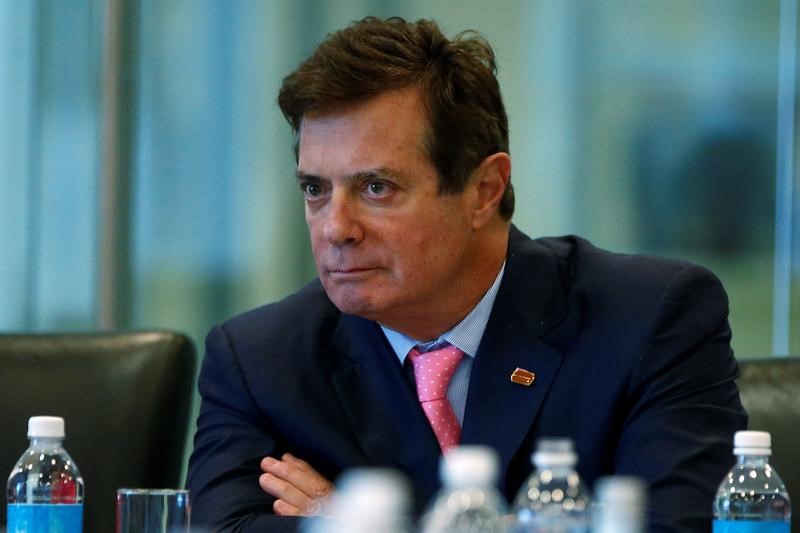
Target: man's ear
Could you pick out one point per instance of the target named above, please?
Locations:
(490, 179)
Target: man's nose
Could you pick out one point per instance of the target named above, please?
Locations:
(342, 224)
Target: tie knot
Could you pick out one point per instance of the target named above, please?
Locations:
(433, 371)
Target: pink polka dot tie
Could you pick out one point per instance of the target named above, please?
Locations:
(433, 372)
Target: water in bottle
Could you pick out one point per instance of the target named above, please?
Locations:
(554, 499)
(45, 489)
(752, 497)
(468, 502)
(621, 505)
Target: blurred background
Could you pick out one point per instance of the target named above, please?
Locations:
(146, 174)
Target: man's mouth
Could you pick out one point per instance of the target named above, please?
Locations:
(349, 272)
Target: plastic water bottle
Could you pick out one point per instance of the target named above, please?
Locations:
(752, 497)
(468, 501)
(45, 489)
(554, 499)
(367, 500)
(621, 505)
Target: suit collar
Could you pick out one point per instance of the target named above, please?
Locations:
(533, 289)
(530, 303)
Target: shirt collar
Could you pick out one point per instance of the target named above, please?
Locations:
(466, 335)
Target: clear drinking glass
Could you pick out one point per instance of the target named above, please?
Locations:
(153, 511)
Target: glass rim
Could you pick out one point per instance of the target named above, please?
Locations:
(151, 492)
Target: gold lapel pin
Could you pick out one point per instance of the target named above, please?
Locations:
(523, 377)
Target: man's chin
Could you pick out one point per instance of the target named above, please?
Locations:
(354, 305)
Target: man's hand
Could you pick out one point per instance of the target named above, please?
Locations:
(300, 490)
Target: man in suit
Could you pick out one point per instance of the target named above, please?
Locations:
(402, 150)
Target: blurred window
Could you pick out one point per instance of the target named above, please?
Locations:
(648, 127)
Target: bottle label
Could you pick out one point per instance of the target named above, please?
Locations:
(45, 518)
(750, 526)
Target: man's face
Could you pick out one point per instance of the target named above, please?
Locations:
(387, 245)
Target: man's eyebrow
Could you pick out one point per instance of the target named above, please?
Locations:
(359, 175)
(302, 176)
(376, 173)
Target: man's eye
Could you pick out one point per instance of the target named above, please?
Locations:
(378, 188)
(311, 190)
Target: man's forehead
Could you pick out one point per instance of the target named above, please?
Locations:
(392, 106)
(409, 94)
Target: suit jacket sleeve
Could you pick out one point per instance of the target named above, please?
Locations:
(684, 404)
(232, 437)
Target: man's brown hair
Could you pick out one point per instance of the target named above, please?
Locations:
(457, 81)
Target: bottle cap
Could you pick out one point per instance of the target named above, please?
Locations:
(551, 452)
(627, 491)
(46, 426)
(752, 443)
(469, 466)
(372, 492)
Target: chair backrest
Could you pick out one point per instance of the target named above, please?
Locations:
(125, 399)
(770, 390)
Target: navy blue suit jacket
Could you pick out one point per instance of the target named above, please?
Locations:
(632, 360)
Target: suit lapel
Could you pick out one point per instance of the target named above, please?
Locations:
(530, 302)
(381, 405)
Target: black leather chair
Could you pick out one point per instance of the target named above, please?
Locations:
(770, 390)
(125, 399)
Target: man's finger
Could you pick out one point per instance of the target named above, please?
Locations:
(319, 487)
(293, 501)
(282, 508)
(299, 487)
(300, 475)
